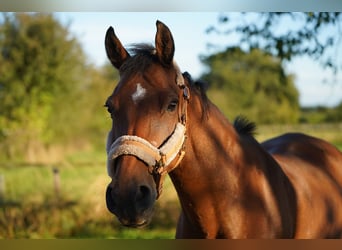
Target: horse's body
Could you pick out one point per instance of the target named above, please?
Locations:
(228, 184)
(250, 194)
(314, 168)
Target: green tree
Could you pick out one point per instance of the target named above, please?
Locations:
(99, 85)
(41, 70)
(287, 34)
(335, 114)
(253, 84)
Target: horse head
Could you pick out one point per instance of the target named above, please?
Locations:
(148, 111)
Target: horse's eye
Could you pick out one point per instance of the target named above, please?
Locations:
(172, 105)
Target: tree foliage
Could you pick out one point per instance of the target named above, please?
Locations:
(49, 95)
(253, 84)
(287, 34)
(38, 62)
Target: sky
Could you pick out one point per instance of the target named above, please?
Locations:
(175, 5)
(188, 30)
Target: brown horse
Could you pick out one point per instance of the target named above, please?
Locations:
(229, 185)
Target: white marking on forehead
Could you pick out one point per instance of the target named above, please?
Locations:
(139, 94)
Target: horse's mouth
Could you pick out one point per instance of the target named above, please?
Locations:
(136, 224)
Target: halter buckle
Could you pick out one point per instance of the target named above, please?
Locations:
(160, 165)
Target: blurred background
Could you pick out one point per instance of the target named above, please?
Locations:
(281, 70)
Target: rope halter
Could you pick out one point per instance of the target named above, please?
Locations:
(161, 160)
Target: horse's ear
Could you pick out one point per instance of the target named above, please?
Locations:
(116, 53)
(165, 46)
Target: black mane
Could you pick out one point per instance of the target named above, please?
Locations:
(199, 87)
(141, 48)
(243, 126)
(142, 56)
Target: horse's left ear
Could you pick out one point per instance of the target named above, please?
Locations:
(165, 46)
(116, 53)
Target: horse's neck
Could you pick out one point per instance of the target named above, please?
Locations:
(213, 147)
(222, 168)
(211, 143)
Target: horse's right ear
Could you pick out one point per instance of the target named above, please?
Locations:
(116, 53)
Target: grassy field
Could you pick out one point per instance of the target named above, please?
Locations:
(32, 207)
(329, 132)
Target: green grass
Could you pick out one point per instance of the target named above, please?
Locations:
(32, 209)
(329, 132)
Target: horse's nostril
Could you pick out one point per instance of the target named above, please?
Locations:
(144, 192)
(143, 198)
(109, 200)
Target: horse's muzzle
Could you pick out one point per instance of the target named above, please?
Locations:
(134, 210)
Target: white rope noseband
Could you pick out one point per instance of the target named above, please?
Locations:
(155, 157)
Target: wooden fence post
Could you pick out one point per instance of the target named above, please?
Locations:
(2, 188)
(57, 182)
